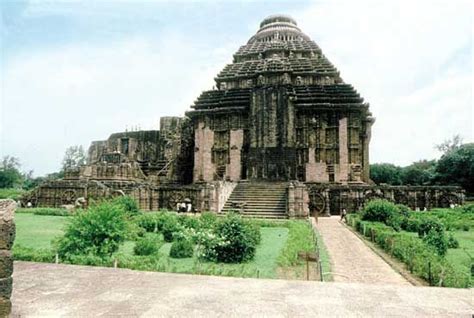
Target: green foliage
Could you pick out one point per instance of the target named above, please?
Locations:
(74, 157)
(207, 220)
(99, 231)
(189, 222)
(468, 208)
(169, 227)
(418, 173)
(128, 204)
(45, 211)
(235, 241)
(452, 241)
(456, 167)
(23, 253)
(422, 259)
(437, 240)
(11, 193)
(379, 210)
(300, 239)
(148, 245)
(427, 225)
(181, 248)
(386, 173)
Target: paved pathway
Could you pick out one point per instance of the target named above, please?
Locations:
(49, 290)
(351, 259)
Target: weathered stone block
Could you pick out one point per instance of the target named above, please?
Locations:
(6, 287)
(5, 307)
(7, 235)
(6, 263)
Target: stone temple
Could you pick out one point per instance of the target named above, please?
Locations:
(281, 135)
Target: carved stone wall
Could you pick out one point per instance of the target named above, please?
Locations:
(7, 236)
(331, 199)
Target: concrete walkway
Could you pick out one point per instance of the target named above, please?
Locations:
(351, 259)
(49, 290)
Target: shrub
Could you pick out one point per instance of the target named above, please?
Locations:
(452, 241)
(235, 241)
(468, 208)
(189, 222)
(404, 210)
(379, 210)
(147, 221)
(147, 245)
(465, 227)
(169, 227)
(98, 231)
(128, 204)
(22, 253)
(207, 220)
(437, 240)
(181, 248)
(428, 224)
(45, 211)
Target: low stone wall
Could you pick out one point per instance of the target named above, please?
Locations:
(331, 199)
(7, 236)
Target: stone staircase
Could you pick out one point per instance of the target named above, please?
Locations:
(265, 200)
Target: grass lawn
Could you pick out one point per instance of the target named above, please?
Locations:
(263, 265)
(463, 256)
(275, 256)
(37, 231)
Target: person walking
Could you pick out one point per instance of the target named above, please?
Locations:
(343, 215)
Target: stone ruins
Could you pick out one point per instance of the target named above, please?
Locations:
(281, 135)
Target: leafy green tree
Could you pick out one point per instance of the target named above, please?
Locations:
(419, 173)
(10, 175)
(73, 158)
(386, 173)
(456, 167)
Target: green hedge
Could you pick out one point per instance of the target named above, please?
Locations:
(420, 259)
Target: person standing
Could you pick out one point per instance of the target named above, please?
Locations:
(343, 215)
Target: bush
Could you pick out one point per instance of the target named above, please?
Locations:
(468, 208)
(45, 211)
(437, 240)
(98, 231)
(181, 248)
(147, 221)
(169, 227)
(235, 241)
(452, 241)
(22, 253)
(403, 210)
(427, 224)
(379, 211)
(189, 222)
(147, 245)
(128, 204)
(207, 220)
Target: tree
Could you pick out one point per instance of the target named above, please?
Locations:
(456, 167)
(386, 173)
(450, 144)
(419, 173)
(10, 175)
(73, 158)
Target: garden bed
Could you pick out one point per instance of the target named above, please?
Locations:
(275, 256)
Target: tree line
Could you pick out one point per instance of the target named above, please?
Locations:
(455, 167)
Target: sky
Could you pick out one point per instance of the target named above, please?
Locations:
(76, 71)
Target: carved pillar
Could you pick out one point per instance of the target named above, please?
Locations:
(7, 236)
(365, 160)
(235, 166)
(291, 201)
(204, 169)
(343, 151)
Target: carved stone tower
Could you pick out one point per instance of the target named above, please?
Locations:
(281, 112)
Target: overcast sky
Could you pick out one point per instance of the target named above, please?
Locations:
(76, 71)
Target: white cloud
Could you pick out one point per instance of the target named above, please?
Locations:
(411, 60)
(75, 94)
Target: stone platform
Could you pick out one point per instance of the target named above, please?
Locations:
(49, 290)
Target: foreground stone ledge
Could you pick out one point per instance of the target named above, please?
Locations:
(7, 237)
